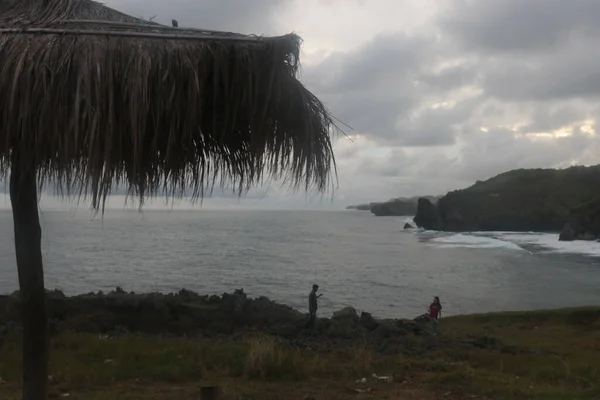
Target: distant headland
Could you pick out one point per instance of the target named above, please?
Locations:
(565, 201)
(401, 206)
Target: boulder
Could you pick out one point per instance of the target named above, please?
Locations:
(118, 291)
(410, 327)
(188, 295)
(344, 324)
(234, 302)
(567, 234)
(408, 226)
(388, 329)
(368, 322)
(346, 313)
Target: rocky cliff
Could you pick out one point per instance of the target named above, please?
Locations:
(428, 216)
(540, 200)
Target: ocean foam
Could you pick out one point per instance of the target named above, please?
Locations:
(544, 242)
(549, 243)
(474, 241)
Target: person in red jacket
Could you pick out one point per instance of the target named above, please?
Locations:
(435, 313)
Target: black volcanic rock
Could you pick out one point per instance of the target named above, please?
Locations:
(428, 216)
(190, 315)
(567, 234)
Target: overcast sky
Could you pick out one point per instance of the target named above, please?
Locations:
(439, 93)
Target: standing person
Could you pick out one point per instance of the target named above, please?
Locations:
(312, 307)
(435, 313)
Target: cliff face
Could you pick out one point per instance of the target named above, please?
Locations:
(428, 216)
(539, 200)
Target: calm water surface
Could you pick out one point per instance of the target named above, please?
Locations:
(356, 258)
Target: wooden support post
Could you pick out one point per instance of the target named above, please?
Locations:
(28, 246)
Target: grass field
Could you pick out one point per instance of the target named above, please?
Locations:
(526, 355)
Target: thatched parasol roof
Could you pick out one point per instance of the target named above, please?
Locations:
(91, 97)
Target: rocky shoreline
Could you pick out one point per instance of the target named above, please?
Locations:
(227, 317)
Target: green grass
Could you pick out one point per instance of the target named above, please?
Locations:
(535, 355)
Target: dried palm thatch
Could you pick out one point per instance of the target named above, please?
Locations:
(92, 97)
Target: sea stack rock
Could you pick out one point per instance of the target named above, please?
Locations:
(428, 216)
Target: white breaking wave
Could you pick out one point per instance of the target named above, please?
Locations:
(473, 241)
(549, 243)
(546, 242)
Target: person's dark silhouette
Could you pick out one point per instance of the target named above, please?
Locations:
(312, 307)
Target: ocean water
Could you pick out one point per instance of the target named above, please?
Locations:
(367, 262)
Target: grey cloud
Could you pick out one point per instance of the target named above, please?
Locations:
(436, 126)
(529, 66)
(549, 118)
(382, 63)
(517, 25)
(256, 16)
(485, 155)
(498, 150)
(374, 113)
(450, 78)
(535, 50)
(400, 173)
(573, 72)
(435, 135)
(395, 164)
(376, 90)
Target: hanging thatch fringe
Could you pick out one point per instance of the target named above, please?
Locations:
(157, 112)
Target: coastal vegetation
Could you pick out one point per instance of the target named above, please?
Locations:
(540, 200)
(127, 346)
(523, 200)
